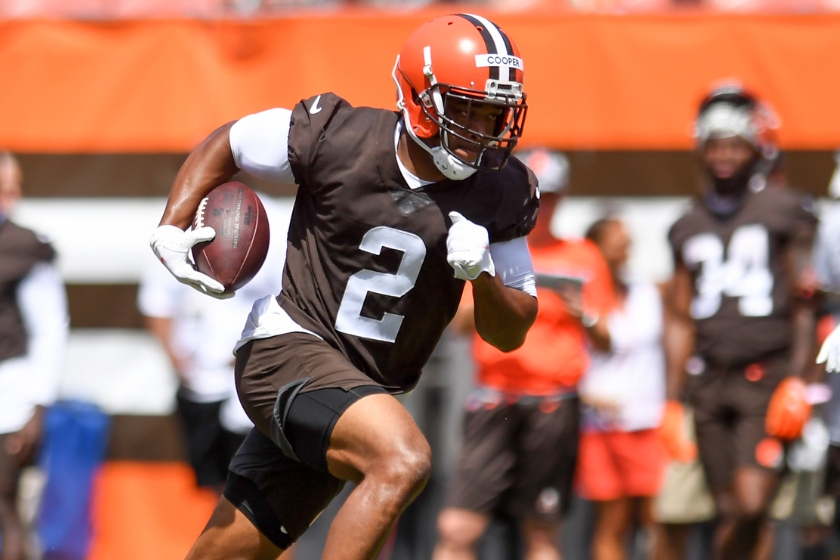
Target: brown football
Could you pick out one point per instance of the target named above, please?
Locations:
(238, 251)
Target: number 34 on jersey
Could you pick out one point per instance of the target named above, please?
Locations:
(740, 270)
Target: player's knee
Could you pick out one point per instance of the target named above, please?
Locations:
(7, 503)
(752, 508)
(406, 469)
(540, 536)
(460, 528)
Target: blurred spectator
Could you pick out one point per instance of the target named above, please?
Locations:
(622, 462)
(198, 334)
(210, 9)
(738, 324)
(522, 421)
(827, 277)
(33, 336)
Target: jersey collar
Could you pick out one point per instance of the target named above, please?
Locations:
(413, 181)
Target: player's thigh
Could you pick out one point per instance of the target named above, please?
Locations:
(279, 495)
(755, 448)
(375, 434)
(717, 446)
(548, 451)
(488, 459)
(310, 401)
(294, 388)
(271, 372)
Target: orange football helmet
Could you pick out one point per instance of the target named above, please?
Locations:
(468, 60)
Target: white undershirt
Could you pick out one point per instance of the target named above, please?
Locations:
(260, 145)
(632, 374)
(33, 379)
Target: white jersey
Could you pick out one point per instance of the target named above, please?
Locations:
(826, 259)
(204, 329)
(632, 374)
(33, 379)
(827, 250)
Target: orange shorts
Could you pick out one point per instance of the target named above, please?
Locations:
(613, 465)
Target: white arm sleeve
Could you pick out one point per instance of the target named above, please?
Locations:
(43, 304)
(260, 145)
(512, 260)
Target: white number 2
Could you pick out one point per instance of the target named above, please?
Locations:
(744, 274)
(349, 319)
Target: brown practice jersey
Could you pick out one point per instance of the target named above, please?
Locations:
(742, 288)
(366, 262)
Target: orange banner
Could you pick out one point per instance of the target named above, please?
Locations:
(594, 81)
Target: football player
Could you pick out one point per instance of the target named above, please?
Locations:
(395, 211)
(739, 327)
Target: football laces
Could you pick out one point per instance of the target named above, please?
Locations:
(199, 214)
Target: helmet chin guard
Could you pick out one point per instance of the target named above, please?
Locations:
(451, 166)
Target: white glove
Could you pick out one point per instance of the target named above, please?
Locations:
(830, 352)
(172, 245)
(468, 249)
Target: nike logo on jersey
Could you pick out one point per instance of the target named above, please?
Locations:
(314, 109)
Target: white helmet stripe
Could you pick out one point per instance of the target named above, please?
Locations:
(495, 33)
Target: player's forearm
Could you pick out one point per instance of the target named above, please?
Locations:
(599, 335)
(804, 348)
(679, 345)
(161, 329)
(503, 315)
(208, 166)
(680, 332)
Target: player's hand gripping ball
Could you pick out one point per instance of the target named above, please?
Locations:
(171, 245)
(238, 250)
(468, 249)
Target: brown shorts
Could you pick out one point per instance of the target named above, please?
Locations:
(294, 388)
(832, 472)
(730, 404)
(518, 459)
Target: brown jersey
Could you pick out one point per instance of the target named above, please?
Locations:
(742, 289)
(366, 263)
(20, 250)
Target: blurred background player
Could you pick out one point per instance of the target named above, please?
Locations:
(622, 462)
(521, 425)
(827, 281)
(33, 335)
(198, 334)
(739, 327)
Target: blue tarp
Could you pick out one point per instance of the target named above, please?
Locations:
(75, 442)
